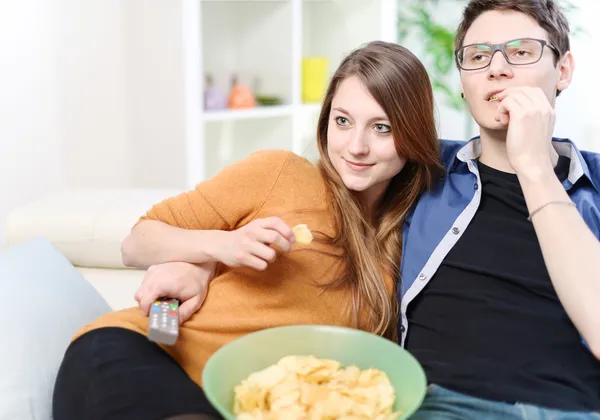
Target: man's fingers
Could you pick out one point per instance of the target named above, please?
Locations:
(523, 100)
(502, 113)
(145, 303)
(189, 307)
(150, 292)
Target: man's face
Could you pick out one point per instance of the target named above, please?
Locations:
(495, 27)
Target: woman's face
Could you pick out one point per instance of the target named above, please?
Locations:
(360, 144)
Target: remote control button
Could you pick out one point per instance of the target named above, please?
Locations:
(173, 313)
(155, 309)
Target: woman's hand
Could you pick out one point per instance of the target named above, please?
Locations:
(255, 244)
(179, 280)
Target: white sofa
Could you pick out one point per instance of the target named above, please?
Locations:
(87, 226)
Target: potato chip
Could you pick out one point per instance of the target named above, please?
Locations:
(303, 234)
(309, 388)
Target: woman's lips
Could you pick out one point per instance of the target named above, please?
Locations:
(357, 166)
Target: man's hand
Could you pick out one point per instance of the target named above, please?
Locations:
(179, 280)
(530, 119)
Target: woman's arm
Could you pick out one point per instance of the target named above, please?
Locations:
(216, 221)
(152, 242)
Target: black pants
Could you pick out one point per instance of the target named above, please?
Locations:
(114, 374)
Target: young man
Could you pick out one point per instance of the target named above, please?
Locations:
(501, 264)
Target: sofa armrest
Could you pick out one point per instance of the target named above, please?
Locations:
(86, 225)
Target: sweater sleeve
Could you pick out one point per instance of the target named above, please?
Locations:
(229, 200)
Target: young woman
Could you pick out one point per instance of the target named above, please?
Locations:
(378, 151)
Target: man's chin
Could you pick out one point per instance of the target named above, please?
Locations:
(494, 126)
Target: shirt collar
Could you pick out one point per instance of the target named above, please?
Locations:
(564, 147)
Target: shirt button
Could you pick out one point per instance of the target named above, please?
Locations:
(402, 329)
(422, 276)
(476, 186)
(455, 230)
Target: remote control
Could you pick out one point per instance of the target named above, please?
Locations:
(163, 325)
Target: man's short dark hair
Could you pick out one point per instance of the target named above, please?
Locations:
(545, 12)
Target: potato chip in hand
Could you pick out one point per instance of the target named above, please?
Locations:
(303, 234)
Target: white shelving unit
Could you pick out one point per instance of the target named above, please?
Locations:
(262, 43)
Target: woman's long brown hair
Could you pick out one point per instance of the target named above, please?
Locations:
(399, 83)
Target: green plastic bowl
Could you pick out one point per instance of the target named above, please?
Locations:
(250, 353)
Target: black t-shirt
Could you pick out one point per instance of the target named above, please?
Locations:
(489, 323)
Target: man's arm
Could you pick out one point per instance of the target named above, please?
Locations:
(571, 251)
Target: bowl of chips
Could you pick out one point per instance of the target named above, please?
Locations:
(313, 372)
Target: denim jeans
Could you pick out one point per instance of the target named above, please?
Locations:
(443, 404)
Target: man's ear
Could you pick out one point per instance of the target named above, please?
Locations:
(565, 67)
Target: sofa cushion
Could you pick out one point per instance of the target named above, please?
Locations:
(117, 286)
(45, 300)
(87, 226)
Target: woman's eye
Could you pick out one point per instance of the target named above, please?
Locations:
(383, 128)
(341, 120)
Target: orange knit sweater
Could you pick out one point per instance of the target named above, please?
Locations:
(242, 300)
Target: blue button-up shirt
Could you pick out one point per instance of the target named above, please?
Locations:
(441, 215)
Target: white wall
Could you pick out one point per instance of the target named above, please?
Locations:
(63, 108)
(154, 71)
(30, 131)
(92, 98)
(91, 95)
(576, 108)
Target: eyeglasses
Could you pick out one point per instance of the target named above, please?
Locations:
(518, 52)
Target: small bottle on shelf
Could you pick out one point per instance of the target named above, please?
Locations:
(240, 96)
(214, 99)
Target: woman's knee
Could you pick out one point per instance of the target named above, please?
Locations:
(120, 374)
(96, 357)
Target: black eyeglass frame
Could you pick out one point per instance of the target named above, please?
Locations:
(500, 47)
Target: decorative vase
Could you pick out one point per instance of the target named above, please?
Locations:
(214, 99)
(314, 78)
(240, 96)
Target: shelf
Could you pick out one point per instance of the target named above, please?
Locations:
(249, 40)
(311, 108)
(247, 114)
(227, 143)
(266, 1)
(262, 43)
(244, 1)
(259, 112)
